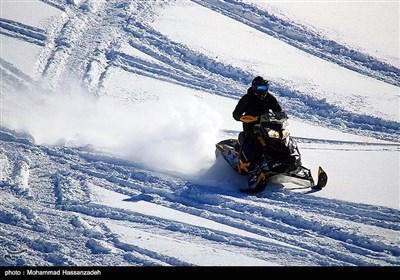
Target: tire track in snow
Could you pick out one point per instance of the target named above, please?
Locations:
(13, 79)
(278, 218)
(282, 216)
(76, 55)
(72, 193)
(97, 230)
(127, 172)
(313, 110)
(205, 72)
(310, 143)
(180, 65)
(28, 224)
(145, 68)
(142, 220)
(182, 202)
(59, 4)
(23, 32)
(357, 146)
(304, 39)
(212, 76)
(271, 249)
(92, 29)
(15, 171)
(154, 183)
(379, 216)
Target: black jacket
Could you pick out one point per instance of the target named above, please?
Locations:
(251, 105)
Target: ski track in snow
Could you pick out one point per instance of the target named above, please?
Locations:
(308, 230)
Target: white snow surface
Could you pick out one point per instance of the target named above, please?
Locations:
(110, 112)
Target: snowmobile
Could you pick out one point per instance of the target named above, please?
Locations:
(274, 156)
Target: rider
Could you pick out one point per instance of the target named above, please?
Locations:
(256, 102)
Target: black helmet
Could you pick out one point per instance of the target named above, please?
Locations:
(260, 87)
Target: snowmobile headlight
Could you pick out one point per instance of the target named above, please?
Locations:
(276, 135)
(273, 134)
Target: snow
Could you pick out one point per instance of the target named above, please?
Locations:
(378, 21)
(284, 63)
(35, 14)
(110, 111)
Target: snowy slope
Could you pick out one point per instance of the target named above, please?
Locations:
(110, 111)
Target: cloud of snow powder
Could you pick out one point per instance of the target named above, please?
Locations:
(178, 137)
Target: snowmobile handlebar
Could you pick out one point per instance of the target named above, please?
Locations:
(248, 119)
(270, 116)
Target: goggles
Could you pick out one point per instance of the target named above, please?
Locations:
(262, 88)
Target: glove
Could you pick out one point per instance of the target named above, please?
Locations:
(248, 119)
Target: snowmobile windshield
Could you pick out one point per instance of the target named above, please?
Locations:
(276, 121)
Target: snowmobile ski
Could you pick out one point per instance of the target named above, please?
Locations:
(322, 179)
